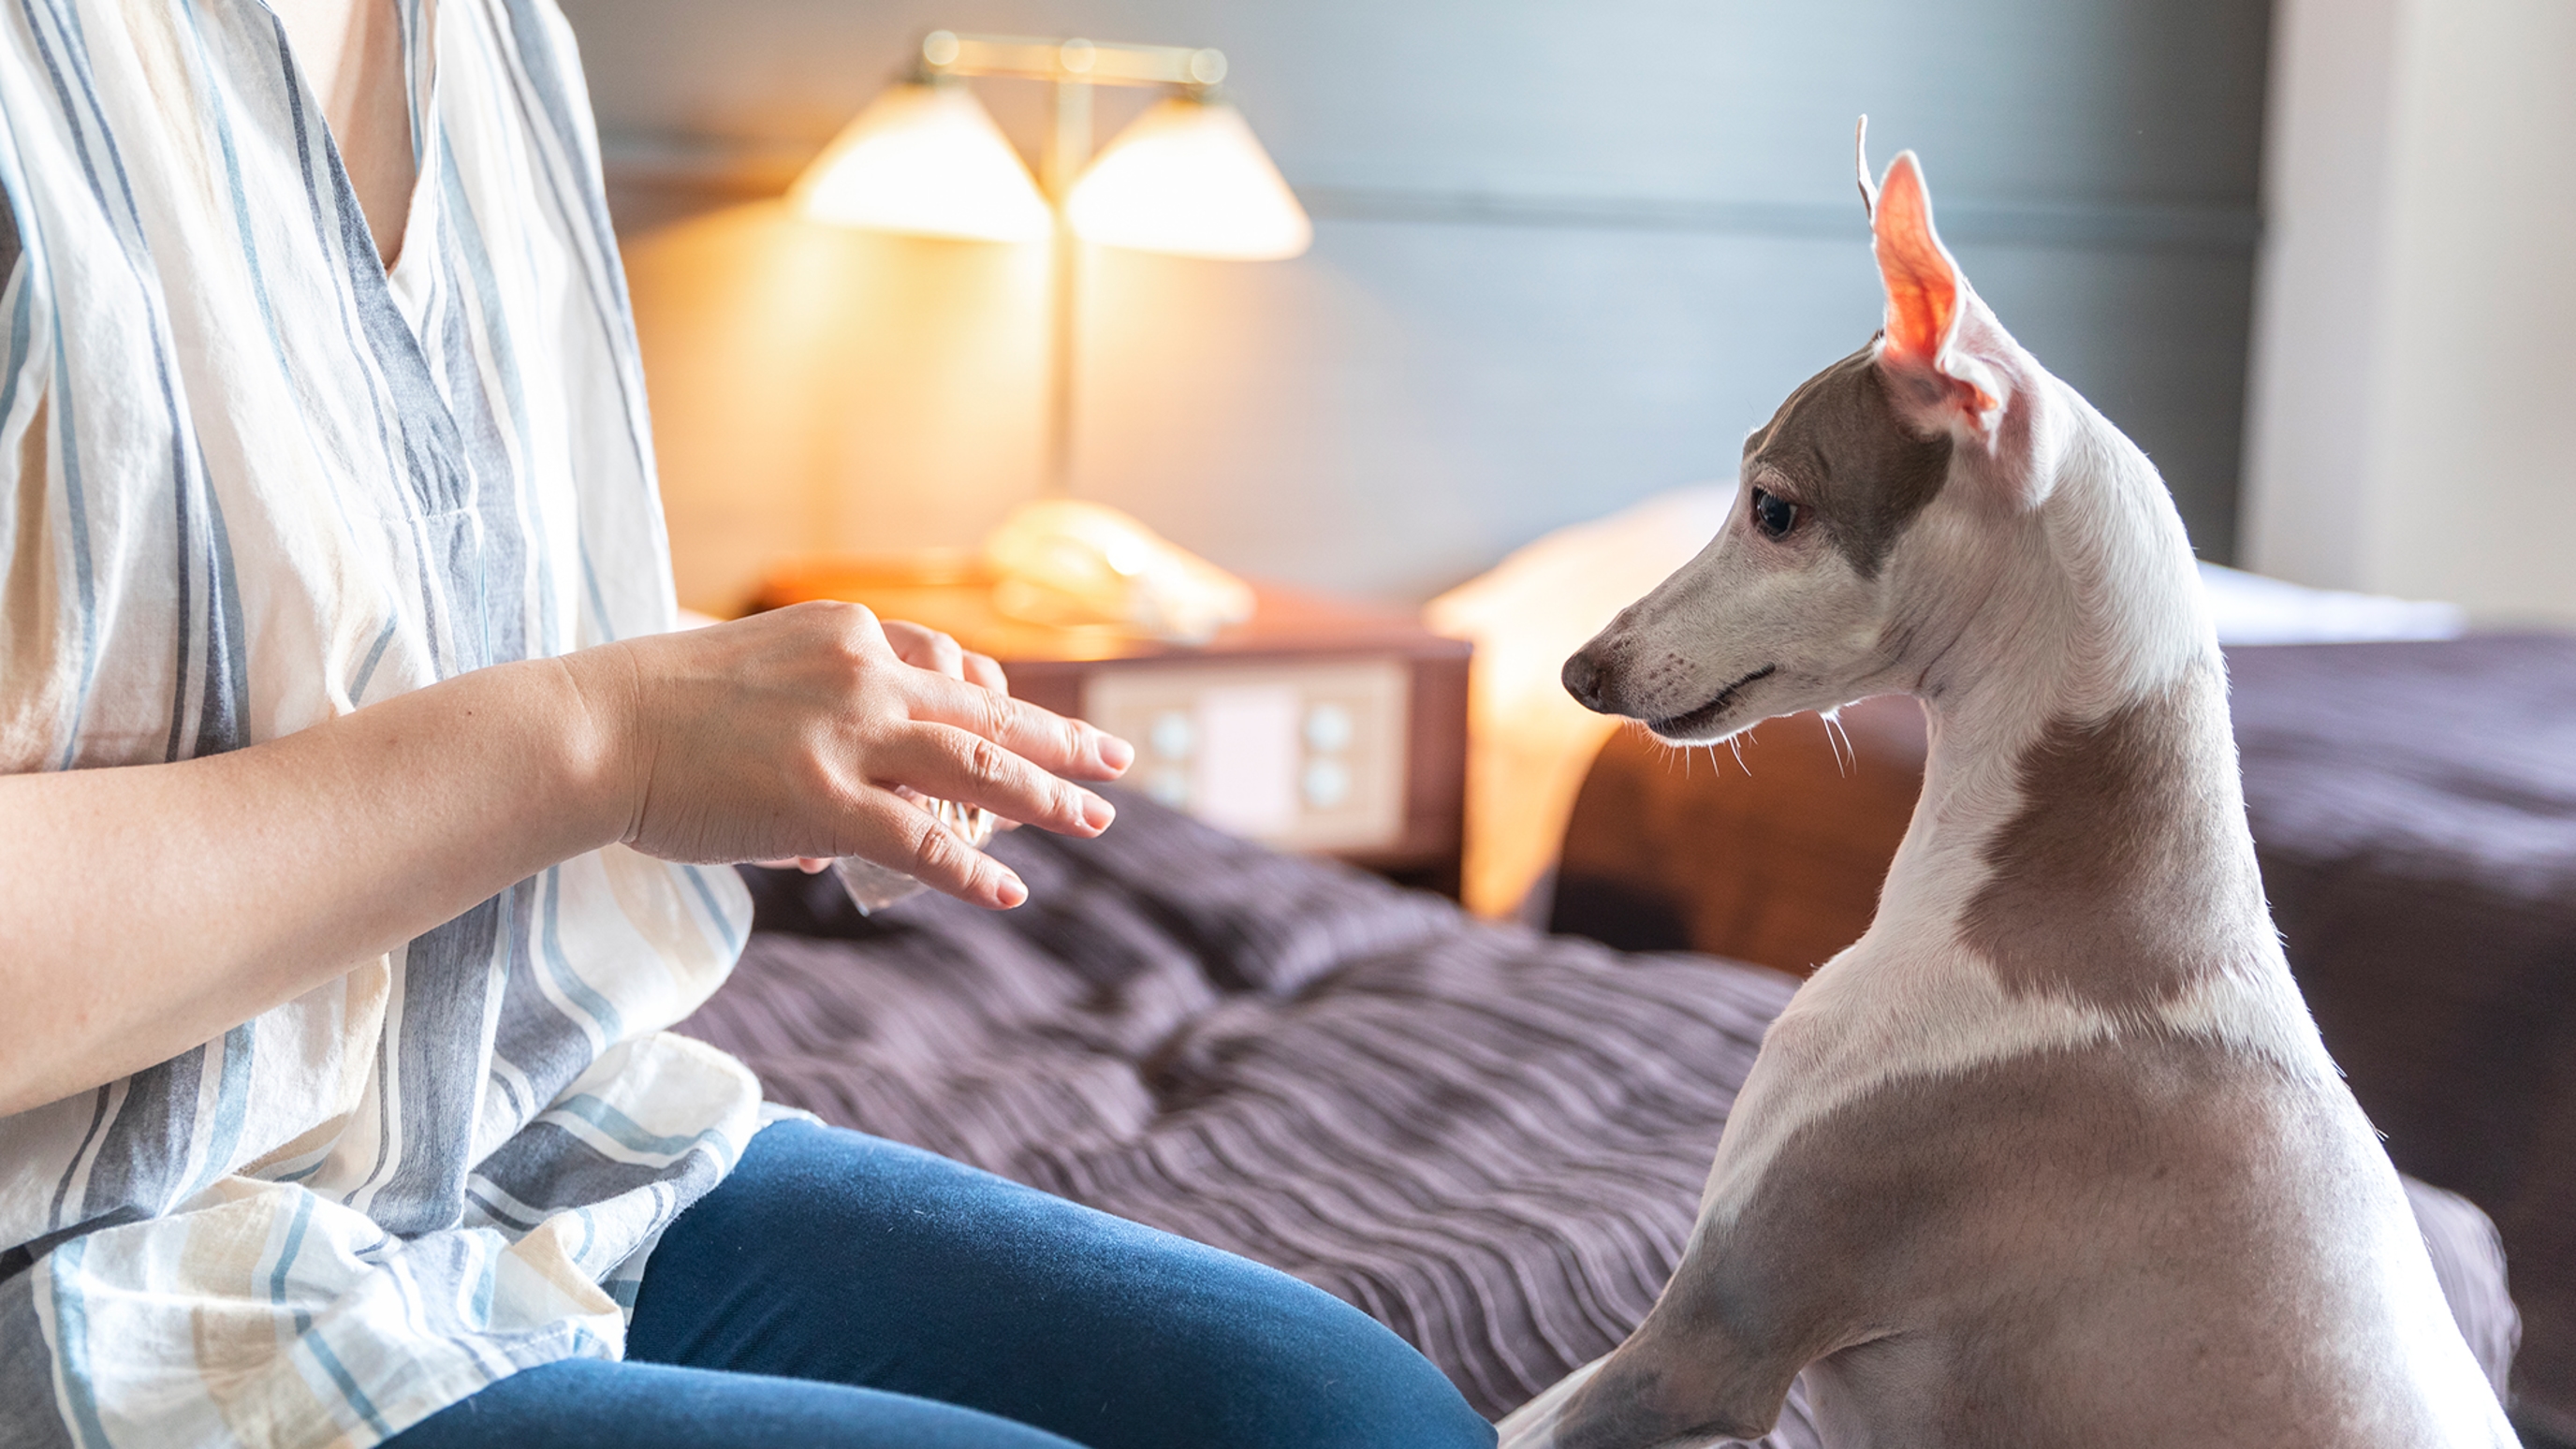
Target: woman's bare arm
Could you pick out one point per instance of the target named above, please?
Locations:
(146, 909)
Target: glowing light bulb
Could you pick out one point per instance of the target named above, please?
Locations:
(1189, 178)
(928, 160)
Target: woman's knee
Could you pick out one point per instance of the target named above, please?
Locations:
(1289, 1366)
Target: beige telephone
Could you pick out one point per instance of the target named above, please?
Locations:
(1063, 561)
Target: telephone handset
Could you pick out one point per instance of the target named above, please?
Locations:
(1064, 561)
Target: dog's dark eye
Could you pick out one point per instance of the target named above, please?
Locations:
(1773, 514)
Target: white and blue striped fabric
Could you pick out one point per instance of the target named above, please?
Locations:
(249, 481)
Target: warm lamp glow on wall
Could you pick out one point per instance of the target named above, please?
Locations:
(1188, 178)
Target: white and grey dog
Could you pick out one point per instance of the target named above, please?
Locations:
(2053, 1155)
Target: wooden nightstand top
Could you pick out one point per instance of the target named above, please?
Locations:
(954, 595)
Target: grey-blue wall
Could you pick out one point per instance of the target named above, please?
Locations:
(1565, 254)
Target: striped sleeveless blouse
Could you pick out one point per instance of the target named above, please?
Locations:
(249, 481)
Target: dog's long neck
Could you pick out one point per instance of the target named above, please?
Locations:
(2082, 826)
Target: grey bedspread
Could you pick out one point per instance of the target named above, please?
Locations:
(1492, 1141)
(2415, 809)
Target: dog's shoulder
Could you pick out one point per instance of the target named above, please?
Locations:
(1881, 1017)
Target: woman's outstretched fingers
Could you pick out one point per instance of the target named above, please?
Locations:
(1067, 747)
(897, 833)
(983, 669)
(956, 764)
(923, 647)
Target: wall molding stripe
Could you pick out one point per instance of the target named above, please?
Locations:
(732, 170)
(2164, 227)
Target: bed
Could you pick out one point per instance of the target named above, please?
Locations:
(2414, 807)
(1490, 1139)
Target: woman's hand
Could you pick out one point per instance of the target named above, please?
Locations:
(785, 735)
(923, 648)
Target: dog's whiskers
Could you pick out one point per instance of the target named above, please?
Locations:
(1845, 757)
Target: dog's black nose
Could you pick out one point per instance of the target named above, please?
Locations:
(1582, 678)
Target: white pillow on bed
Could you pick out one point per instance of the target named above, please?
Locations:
(2255, 609)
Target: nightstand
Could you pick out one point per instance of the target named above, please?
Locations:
(1320, 725)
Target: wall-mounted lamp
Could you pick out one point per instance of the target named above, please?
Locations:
(924, 158)
(1187, 178)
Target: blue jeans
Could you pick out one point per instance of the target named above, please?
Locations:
(840, 1290)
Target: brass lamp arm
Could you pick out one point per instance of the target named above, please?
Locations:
(1100, 63)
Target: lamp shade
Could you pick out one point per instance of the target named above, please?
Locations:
(924, 158)
(1189, 178)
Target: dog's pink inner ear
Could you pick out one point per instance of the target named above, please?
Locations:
(1922, 281)
(1924, 290)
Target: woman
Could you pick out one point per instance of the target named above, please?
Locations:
(349, 783)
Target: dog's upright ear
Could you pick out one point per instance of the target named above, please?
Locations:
(1949, 363)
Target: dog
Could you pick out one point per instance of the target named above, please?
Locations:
(2053, 1155)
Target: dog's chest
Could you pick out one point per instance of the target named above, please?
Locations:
(1929, 1017)
(2064, 1237)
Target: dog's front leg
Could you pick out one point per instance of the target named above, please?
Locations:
(1774, 1279)
(1714, 1359)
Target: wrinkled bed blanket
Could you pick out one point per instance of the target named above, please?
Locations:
(1492, 1141)
(2415, 808)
